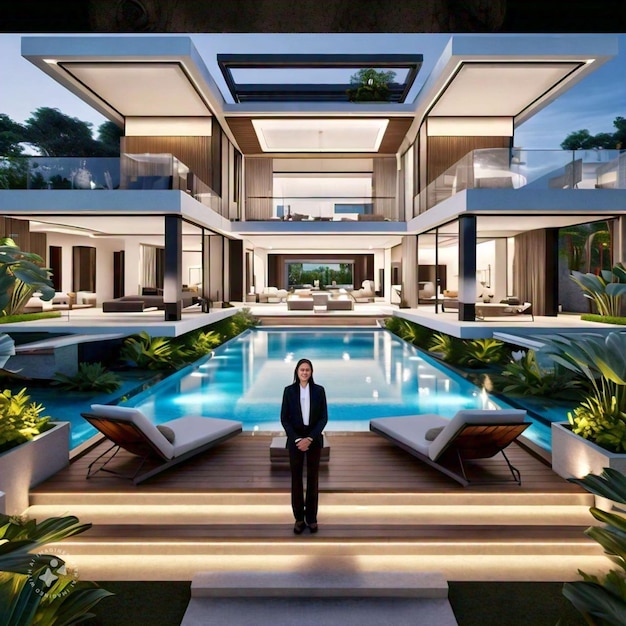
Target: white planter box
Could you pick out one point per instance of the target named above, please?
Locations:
(31, 463)
(574, 456)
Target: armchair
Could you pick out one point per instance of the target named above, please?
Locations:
(365, 293)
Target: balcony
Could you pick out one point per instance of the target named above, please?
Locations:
(501, 168)
(321, 208)
(128, 172)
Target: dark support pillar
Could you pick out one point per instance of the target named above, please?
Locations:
(467, 268)
(236, 267)
(206, 272)
(173, 276)
(552, 272)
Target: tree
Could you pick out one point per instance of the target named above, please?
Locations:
(369, 85)
(11, 137)
(56, 134)
(109, 135)
(584, 140)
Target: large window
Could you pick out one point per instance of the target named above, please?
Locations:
(320, 274)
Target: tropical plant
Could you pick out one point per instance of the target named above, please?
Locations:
(7, 349)
(154, 353)
(235, 324)
(199, 343)
(605, 290)
(242, 320)
(483, 352)
(89, 377)
(450, 349)
(20, 277)
(602, 599)
(37, 589)
(601, 360)
(414, 333)
(525, 377)
(369, 85)
(20, 419)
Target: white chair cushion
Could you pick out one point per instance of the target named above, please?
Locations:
(193, 432)
(472, 416)
(410, 429)
(136, 417)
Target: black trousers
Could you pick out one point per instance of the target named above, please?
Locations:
(305, 509)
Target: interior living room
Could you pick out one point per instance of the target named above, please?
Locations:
(234, 168)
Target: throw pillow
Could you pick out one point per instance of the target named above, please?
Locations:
(167, 432)
(432, 433)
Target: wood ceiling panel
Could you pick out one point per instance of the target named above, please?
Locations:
(245, 135)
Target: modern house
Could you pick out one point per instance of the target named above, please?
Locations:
(241, 165)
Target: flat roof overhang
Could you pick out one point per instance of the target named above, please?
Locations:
(167, 76)
(509, 212)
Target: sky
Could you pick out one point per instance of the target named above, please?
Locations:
(592, 104)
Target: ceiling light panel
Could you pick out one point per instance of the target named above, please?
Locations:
(141, 89)
(320, 135)
(499, 89)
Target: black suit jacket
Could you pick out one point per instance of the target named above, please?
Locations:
(291, 415)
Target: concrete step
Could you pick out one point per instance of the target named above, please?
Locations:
(318, 596)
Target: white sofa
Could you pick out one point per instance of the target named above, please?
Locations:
(273, 294)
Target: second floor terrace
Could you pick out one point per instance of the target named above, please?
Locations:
(333, 198)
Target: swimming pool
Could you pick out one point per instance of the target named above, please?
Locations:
(367, 373)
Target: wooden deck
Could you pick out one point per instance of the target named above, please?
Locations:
(359, 462)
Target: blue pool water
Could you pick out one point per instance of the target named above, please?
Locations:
(366, 373)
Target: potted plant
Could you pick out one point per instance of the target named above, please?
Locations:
(32, 448)
(370, 85)
(595, 435)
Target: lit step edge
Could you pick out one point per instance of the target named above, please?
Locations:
(530, 567)
(331, 549)
(332, 514)
(464, 498)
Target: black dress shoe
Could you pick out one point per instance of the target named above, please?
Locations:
(313, 528)
(298, 528)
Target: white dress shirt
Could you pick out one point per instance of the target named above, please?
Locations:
(305, 403)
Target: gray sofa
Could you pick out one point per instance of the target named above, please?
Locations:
(130, 304)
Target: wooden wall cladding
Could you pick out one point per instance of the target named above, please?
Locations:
(444, 152)
(18, 230)
(39, 245)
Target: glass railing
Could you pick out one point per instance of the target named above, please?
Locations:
(130, 171)
(71, 172)
(501, 168)
(322, 208)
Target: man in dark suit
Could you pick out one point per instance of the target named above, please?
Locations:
(304, 415)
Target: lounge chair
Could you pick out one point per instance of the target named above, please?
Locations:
(469, 435)
(167, 444)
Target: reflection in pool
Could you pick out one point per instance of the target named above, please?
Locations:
(367, 373)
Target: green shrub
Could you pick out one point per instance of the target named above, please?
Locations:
(599, 360)
(200, 343)
(20, 419)
(603, 319)
(483, 352)
(525, 377)
(235, 324)
(153, 353)
(90, 377)
(450, 349)
(28, 317)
